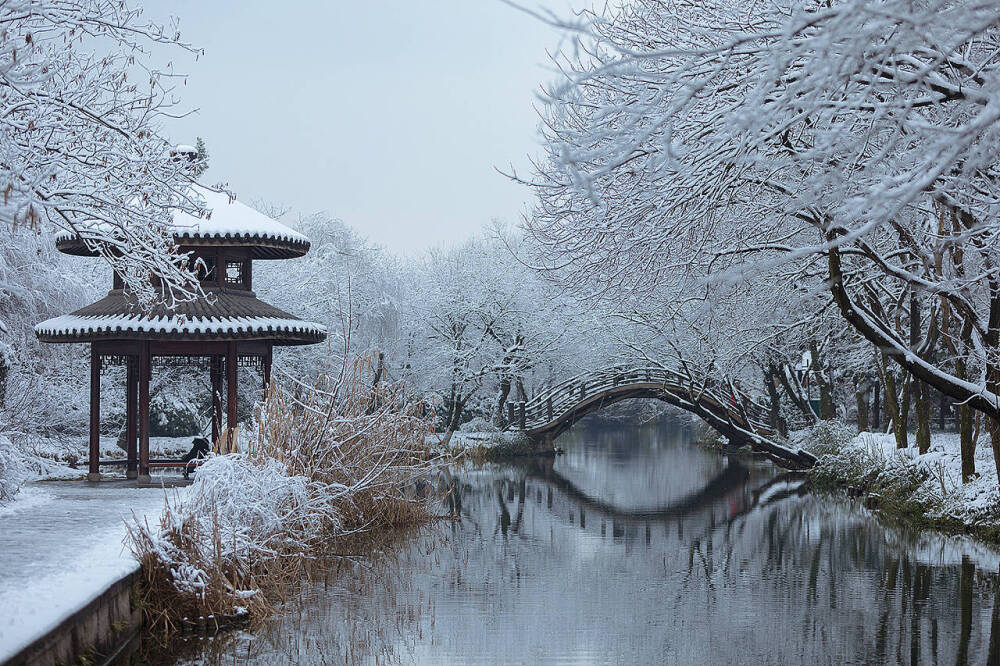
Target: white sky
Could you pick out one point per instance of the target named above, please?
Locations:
(390, 115)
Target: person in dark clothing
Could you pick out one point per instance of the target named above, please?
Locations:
(199, 449)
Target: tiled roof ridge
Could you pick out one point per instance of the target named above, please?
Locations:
(229, 313)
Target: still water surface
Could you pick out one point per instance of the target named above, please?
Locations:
(638, 547)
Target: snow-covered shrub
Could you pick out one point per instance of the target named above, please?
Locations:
(236, 526)
(927, 487)
(12, 471)
(173, 415)
(824, 438)
(321, 463)
(6, 363)
(478, 424)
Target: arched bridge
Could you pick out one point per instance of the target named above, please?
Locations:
(732, 412)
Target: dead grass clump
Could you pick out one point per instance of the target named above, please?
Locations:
(325, 463)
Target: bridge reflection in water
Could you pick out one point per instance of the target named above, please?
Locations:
(638, 547)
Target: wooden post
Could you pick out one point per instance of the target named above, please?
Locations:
(131, 418)
(215, 372)
(94, 470)
(145, 370)
(231, 378)
(548, 404)
(267, 370)
(583, 390)
(521, 408)
(510, 413)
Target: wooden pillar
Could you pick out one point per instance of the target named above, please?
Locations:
(510, 413)
(145, 370)
(94, 470)
(231, 378)
(267, 370)
(131, 417)
(215, 370)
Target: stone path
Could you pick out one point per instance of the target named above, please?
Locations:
(61, 544)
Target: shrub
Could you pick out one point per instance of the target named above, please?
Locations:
(478, 424)
(826, 437)
(323, 463)
(173, 416)
(12, 471)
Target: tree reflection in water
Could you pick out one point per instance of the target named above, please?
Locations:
(639, 547)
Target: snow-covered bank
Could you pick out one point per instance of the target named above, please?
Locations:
(61, 545)
(466, 442)
(927, 488)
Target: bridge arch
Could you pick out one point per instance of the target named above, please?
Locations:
(730, 411)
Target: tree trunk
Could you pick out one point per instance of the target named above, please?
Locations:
(373, 404)
(499, 418)
(777, 423)
(892, 403)
(4, 375)
(795, 396)
(992, 424)
(826, 410)
(904, 410)
(923, 414)
(861, 391)
(876, 418)
(968, 443)
(522, 395)
(454, 419)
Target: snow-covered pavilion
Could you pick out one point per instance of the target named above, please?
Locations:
(229, 329)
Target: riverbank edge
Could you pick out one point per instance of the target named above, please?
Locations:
(898, 506)
(93, 633)
(912, 514)
(500, 447)
(872, 484)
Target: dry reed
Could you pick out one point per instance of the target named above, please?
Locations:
(324, 463)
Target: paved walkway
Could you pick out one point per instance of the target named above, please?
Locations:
(61, 544)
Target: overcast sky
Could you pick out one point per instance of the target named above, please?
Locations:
(389, 115)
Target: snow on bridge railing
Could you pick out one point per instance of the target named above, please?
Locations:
(556, 401)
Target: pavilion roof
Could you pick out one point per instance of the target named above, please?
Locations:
(225, 315)
(228, 223)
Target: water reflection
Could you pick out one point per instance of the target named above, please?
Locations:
(638, 547)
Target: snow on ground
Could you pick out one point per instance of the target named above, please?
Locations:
(61, 544)
(62, 448)
(28, 498)
(463, 441)
(934, 478)
(66, 457)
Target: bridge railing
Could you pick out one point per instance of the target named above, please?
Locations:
(556, 401)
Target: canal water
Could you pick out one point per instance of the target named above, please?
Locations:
(637, 547)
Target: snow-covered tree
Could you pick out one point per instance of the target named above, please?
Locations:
(80, 136)
(344, 282)
(850, 142)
